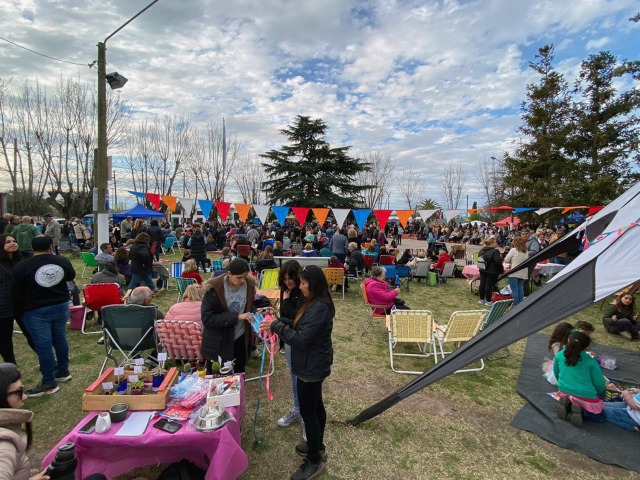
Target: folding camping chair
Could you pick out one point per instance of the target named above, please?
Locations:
(386, 260)
(422, 270)
(498, 310)
(411, 326)
(244, 251)
(335, 276)
(404, 275)
(216, 265)
(462, 327)
(447, 271)
(356, 276)
(181, 339)
(129, 330)
(371, 309)
(96, 296)
(183, 283)
(175, 271)
(89, 260)
(269, 278)
(369, 260)
(168, 246)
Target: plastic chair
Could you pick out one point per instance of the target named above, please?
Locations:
(96, 296)
(462, 327)
(269, 279)
(183, 283)
(411, 326)
(168, 245)
(335, 276)
(182, 340)
(89, 260)
(371, 309)
(129, 330)
(498, 310)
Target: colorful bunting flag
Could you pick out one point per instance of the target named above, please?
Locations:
(223, 210)
(205, 206)
(280, 213)
(361, 216)
(426, 214)
(137, 194)
(243, 210)
(404, 216)
(187, 205)
(154, 198)
(341, 215)
(301, 214)
(262, 211)
(382, 216)
(320, 214)
(169, 201)
(594, 210)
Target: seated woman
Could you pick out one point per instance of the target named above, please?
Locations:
(190, 307)
(379, 293)
(580, 382)
(422, 257)
(296, 247)
(405, 258)
(308, 251)
(190, 270)
(266, 260)
(620, 317)
(277, 249)
(121, 258)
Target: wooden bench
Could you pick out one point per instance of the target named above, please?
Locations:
(321, 262)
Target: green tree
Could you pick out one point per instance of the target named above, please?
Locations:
(539, 171)
(429, 204)
(308, 172)
(606, 128)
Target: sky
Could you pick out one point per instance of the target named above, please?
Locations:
(426, 82)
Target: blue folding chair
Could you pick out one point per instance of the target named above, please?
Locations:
(176, 272)
(168, 246)
(404, 274)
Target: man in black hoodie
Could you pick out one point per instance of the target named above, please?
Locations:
(41, 298)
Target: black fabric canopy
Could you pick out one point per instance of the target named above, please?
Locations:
(610, 263)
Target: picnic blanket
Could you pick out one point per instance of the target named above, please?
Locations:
(600, 441)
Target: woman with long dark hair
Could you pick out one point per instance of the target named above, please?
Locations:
(9, 256)
(291, 301)
(621, 317)
(309, 335)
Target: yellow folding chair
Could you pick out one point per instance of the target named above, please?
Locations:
(462, 327)
(411, 326)
(335, 276)
(269, 279)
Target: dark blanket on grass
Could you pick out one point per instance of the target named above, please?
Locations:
(600, 441)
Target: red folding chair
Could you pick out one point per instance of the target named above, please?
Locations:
(98, 295)
(387, 260)
(369, 260)
(244, 250)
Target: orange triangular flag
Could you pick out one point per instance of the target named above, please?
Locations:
(568, 209)
(404, 215)
(169, 201)
(320, 214)
(243, 210)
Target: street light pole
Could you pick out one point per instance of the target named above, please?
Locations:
(100, 164)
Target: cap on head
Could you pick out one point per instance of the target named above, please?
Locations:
(48, 215)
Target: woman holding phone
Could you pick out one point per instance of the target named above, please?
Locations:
(309, 335)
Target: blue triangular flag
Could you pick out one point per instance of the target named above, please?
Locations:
(361, 216)
(280, 213)
(205, 206)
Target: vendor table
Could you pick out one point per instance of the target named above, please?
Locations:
(472, 272)
(549, 269)
(219, 452)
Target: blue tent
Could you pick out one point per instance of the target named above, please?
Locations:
(138, 212)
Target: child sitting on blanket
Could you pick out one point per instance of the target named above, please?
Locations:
(557, 341)
(580, 381)
(625, 414)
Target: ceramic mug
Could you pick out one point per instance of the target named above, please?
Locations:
(103, 424)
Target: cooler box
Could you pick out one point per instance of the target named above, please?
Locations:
(77, 314)
(495, 297)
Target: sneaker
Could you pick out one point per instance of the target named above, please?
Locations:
(626, 334)
(303, 450)
(481, 302)
(563, 407)
(254, 353)
(282, 350)
(63, 378)
(308, 470)
(576, 415)
(101, 341)
(290, 418)
(42, 390)
(489, 304)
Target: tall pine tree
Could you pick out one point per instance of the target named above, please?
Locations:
(308, 172)
(606, 128)
(539, 172)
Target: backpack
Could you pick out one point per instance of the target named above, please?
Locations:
(482, 263)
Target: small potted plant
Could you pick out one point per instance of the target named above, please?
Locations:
(136, 388)
(158, 376)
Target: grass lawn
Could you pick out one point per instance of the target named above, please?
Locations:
(456, 428)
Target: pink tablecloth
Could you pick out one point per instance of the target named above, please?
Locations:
(219, 453)
(471, 272)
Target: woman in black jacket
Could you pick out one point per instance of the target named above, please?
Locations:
(226, 308)
(309, 335)
(197, 243)
(141, 263)
(492, 270)
(157, 237)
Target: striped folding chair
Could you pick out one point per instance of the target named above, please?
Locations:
(217, 265)
(335, 276)
(269, 279)
(462, 327)
(175, 271)
(181, 339)
(408, 327)
(183, 283)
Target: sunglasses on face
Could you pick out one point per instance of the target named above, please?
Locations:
(19, 392)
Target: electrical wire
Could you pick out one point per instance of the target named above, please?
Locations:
(43, 55)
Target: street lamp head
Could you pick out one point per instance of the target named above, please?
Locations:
(115, 80)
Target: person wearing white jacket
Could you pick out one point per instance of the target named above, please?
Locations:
(515, 257)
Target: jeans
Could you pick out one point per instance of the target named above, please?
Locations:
(313, 415)
(616, 413)
(517, 289)
(137, 277)
(294, 379)
(625, 325)
(46, 326)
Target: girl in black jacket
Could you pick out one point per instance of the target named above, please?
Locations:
(493, 269)
(309, 335)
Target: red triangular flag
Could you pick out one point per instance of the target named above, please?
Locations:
(382, 216)
(223, 209)
(154, 198)
(300, 213)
